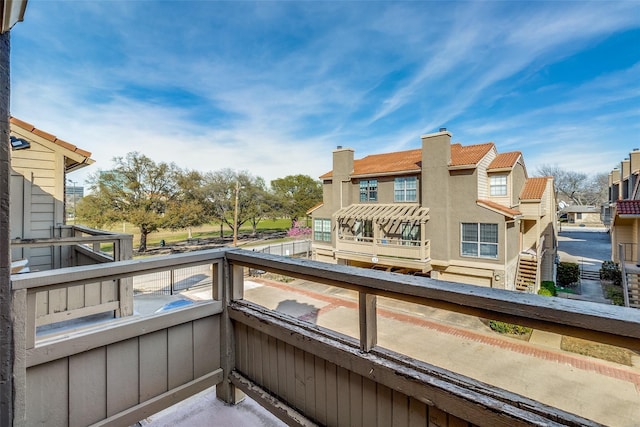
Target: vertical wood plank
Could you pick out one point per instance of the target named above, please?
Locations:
(57, 301)
(237, 282)
(321, 390)
(257, 356)
(240, 332)
(368, 322)
(108, 291)
(369, 404)
(92, 294)
(355, 399)
(400, 409)
(384, 405)
(122, 376)
(153, 365)
(331, 380)
(87, 387)
(180, 346)
(266, 368)
(75, 297)
(300, 394)
(124, 295)
(437, 417)
(342, 385)
(310, 385)
(282, 371)
(456, 422)
(42, 303)
(32, 301)
(417, 413)
(48, 394)
(206, 345)
(251, 353)
(273, 373)
(291, 374)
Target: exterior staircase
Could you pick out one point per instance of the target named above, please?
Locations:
(527, 273)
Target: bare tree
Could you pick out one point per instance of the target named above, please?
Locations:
(577, 187)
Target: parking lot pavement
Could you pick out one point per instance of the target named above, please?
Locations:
(587, 247)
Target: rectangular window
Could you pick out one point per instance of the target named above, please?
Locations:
(364, 230)
(479, 240)
(369, 190)
(578, 215)
(498, 185)
(322, 229)
(405, 189)
(410, 234)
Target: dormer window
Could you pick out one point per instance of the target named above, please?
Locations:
(498, 185)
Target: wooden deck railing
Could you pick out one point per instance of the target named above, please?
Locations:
(120, 373)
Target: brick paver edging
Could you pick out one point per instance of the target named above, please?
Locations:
(577, 361)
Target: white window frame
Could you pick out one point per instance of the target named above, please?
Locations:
(404, 186)
(368, 190)
(475, 246)
(322, 229)
(498, 185)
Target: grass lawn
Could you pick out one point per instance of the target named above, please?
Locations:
(208, 231)
(597, 350)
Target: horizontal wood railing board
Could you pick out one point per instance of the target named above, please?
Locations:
(598, 322)
(115, 331)
(468, 399)
(76, 313)
(71, 275)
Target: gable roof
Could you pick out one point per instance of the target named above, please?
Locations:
(628, 207)
(469, 155)
(534, 188)
(505, 160)
(411, 161)
(80, 157)
(498, 208)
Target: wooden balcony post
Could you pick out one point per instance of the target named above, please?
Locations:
(232, 289)
(368, 321)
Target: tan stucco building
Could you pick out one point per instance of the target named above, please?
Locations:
(464, 214)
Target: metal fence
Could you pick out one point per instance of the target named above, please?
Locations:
(182, 279)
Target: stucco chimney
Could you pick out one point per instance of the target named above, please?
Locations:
(342, 169)
(434, 184)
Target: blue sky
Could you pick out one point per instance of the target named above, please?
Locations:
(274, 87)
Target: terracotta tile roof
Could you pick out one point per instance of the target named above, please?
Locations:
(505, 160)
(411, 161)
(311, 209)
(49, 137)
(534, 188)
(628, 207)
(469, 155)
(497, 207)
(399, 161)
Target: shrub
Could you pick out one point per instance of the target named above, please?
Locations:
(616, 295)
(568, 274)
(508, 328)
(549, 286)
(545, 292)
(611, 271)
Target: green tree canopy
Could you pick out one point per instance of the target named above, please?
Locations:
(137, 190)
(296, 194)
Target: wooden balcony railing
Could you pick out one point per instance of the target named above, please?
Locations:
(119, 373)
(388, 247)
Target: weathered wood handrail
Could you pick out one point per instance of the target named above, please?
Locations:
(608, 324)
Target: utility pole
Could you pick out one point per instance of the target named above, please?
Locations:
(235, 216)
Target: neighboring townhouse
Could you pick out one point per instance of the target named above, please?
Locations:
(582, 215)
(624, 205)
(40, 163)
(464, 214)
